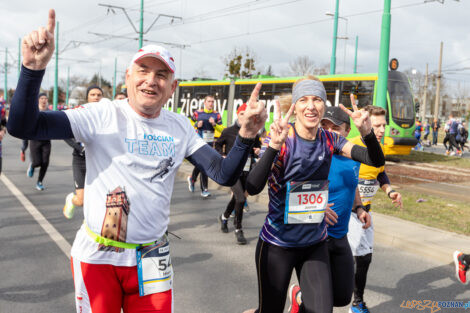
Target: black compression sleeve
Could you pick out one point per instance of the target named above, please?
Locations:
(259, 174)
(382, 178)
(224, 171)
(372, 155)
(25, 121)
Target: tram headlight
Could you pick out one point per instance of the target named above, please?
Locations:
(394, 132)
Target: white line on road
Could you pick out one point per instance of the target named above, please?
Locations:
(42, 221)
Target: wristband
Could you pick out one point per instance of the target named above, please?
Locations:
(388, 193)
(247, 141)
(360, 206)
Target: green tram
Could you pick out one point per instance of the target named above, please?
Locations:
(230, 94)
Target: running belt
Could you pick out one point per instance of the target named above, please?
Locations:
(118, 244)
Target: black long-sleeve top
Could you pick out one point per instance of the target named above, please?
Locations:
(225, 142)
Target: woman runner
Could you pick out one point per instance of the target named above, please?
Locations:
(297, 163)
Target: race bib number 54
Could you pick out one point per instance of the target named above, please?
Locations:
(154, 269)
(306, 202)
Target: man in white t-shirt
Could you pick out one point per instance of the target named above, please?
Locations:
(121, 256)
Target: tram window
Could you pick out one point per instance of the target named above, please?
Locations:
(244, 92)
(401, 100)
(331, 88)
(282, 88)
(201, 91)
(219, 92)
(364, 91)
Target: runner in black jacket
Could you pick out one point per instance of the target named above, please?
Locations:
(223, 145)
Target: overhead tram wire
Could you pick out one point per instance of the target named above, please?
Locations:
(137, 7)
(300, 24)
(203, 17)
(242, 5)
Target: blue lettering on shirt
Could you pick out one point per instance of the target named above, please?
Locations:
(151, 145)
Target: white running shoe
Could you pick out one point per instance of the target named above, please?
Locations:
(69, 207)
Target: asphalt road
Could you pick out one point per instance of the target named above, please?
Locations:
(212, 273)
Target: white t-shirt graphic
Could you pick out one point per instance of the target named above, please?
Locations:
(135, 155)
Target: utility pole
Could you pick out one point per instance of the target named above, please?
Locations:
(114, 80)
(141, 29)
(56, 78)
(5, 93)
(438, 84)
(67, 90)
(381, 100)
(335, 35)
(355, 56)
(423, 105)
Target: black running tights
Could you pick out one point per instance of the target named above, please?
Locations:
(203, 179)
(360, 279)
(40, 153)
(237, 202)
(274, 266)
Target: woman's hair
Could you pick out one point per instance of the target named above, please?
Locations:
(308, 77)
(285, 99)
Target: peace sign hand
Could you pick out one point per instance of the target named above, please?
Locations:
(254, 116)
(360, 117)
(279, 129)
(38, 46)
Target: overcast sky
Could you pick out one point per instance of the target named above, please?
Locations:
(277, 31)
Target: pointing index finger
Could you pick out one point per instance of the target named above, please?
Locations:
(255, 94)
(51, 21)
(353, 102)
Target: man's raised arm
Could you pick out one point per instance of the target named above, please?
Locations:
(25, 121)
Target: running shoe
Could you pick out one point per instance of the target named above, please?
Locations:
(22, 156)
(461, 267)
(452, 153)
(294, 297)
(69, 207)
(447, 152)
(190, 184)
(223, 224)
(30, 171)
(241, 240)
(360, 307)
(205, 193)
(39, 186)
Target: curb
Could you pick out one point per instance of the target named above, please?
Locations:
(431, 243)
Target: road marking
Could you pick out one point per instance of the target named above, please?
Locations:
(42, 221)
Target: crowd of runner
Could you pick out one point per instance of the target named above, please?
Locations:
(125, 155)
(455, 135)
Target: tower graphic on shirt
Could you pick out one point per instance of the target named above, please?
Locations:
(115, 221)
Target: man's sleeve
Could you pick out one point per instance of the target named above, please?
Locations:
(25, 121)
(88, 120)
